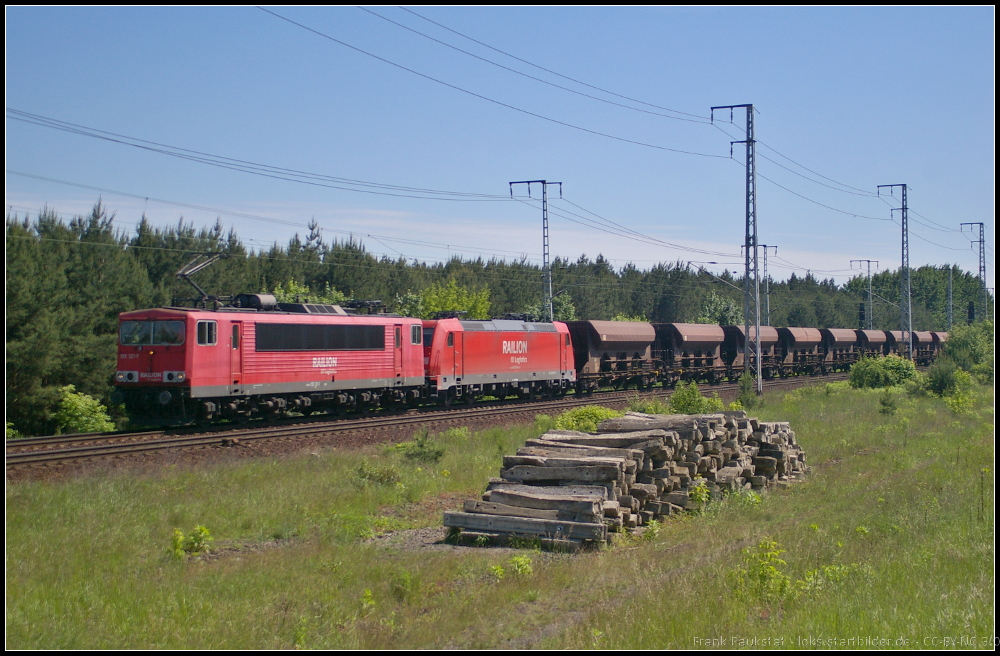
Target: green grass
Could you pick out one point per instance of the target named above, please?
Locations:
(897, 499)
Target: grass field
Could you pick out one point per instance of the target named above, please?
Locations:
(889, 539)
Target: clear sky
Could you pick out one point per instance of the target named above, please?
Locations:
(847, 99)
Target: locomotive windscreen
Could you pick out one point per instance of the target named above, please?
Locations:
(316, 337)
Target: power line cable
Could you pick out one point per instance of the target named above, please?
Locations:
(256, 217)
(643, 239)
(547, 70)
(531, 77)
(422, 243)
(648, 238)
(254, 168)
(486, 98)
(917, 235)
(850, 190)
(855, 190)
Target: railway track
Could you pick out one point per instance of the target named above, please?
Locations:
(56, 450)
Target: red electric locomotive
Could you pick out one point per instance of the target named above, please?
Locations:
(187, 364)
(468, 359)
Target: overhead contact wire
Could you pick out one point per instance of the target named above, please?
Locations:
(531, 77)
(488, 99)
(704, 119)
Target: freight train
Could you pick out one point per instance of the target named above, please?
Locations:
(261, 358)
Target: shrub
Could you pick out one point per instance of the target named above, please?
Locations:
(649, 405)
(387, 475)
(585, 419)
(760, 578)
(941, 376)
(197, 541)
(81, 413)
(699, 492)
(885, 371)
(687, 400)
(404, 586)
(421, 449)
(748, 392)
(544, 423)
(520, 565)
(823, 579)
(887, 403)
(972, 348)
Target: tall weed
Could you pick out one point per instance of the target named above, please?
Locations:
(585, 419)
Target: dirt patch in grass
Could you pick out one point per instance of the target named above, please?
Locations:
(430, 538)
(430, 506)
(235, 549)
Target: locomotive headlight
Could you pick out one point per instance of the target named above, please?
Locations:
(127, 376)
(174, 376)
(120, 376)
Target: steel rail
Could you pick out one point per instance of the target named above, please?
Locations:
(302, 429)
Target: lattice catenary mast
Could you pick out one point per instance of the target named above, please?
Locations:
(767, 286)
(546, 269)
(871, 308)
(905, 315)
(751, 273)
(982, 265)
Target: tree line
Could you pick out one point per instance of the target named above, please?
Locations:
(67, 281)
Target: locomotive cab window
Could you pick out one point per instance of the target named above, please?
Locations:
(398, 339)
(207, 333)
(155, 333)
(236, 336)
(415, 334)
(451, 339)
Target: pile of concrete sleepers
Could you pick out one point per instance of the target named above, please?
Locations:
(569, 488)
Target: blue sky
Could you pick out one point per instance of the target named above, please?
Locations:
(858, 96)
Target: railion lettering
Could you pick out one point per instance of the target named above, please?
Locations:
(515, 347)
